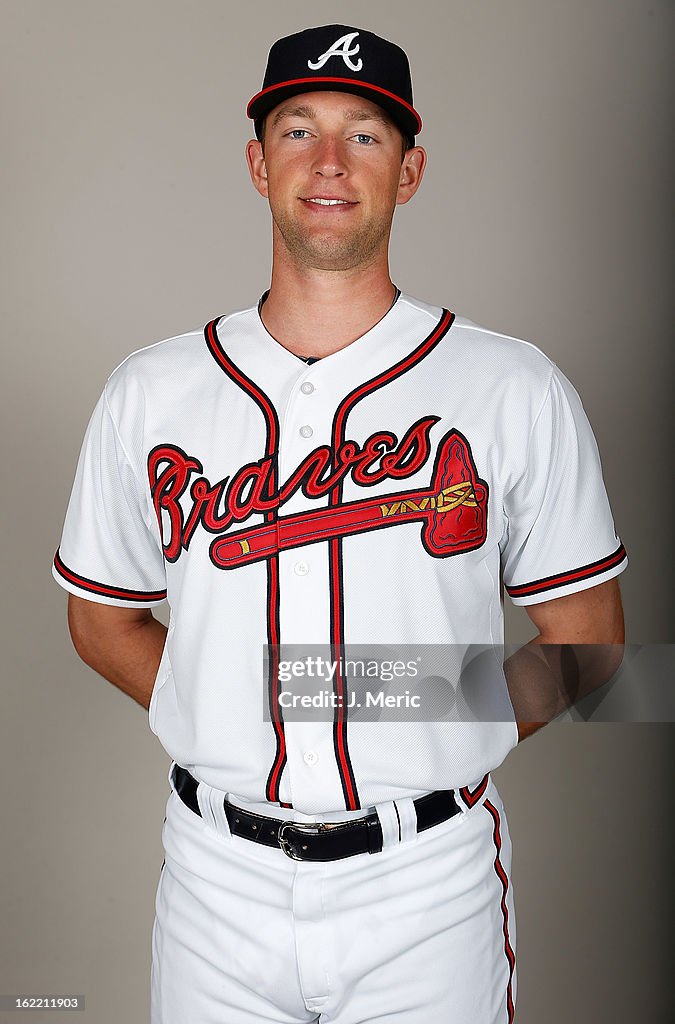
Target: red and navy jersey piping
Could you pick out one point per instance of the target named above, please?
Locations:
(472, 796)
(273, 595)
(561, 579)
(105, 589)
(503, 878)
(335, 565)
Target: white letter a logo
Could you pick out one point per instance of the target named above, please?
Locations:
(340, 48)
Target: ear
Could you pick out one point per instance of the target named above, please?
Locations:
(412, 169)
(256, 166)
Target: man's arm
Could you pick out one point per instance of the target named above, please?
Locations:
(578, 649)
(124, 645)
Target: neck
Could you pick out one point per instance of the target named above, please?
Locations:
(317, 312)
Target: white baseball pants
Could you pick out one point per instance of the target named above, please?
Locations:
(421, 933)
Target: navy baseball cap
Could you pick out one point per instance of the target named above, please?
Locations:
(341, 59)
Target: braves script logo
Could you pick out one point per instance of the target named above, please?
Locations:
(340, 48)
(452, 510)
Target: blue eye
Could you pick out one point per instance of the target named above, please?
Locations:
(362, 136)
(297, 132)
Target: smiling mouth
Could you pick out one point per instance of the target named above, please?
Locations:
(316, 200)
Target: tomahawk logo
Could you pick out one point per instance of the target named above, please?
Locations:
(340, 48)
(452, 509)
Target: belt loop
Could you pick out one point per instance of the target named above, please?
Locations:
(386, 812)
(217, 802)
(212, 805)
(408, 818)
(204, 801)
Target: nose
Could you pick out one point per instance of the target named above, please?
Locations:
(330, 158)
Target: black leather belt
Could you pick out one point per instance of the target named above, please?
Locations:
(317, 841)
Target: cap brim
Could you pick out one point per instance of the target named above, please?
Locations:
(401, 112)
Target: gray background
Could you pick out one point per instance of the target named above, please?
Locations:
(128, 217)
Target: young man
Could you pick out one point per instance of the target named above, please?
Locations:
(340, 465)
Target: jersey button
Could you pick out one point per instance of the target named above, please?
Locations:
(301, 568)
(306, 431)
(306, 387)
(310, 757)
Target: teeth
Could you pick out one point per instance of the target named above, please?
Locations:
(329, 202)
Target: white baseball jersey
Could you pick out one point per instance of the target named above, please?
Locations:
(376, 496)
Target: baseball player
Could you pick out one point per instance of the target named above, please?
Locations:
(339, 464)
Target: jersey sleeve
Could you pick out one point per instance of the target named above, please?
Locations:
(560, 535)
(110, 548)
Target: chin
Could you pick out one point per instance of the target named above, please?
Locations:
(337, 248)
(331, 255)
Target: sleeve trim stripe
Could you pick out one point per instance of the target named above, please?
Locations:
(101, 588)
(573, 576)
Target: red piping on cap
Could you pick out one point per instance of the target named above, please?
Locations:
(340, 81)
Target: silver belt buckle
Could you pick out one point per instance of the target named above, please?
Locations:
(314, 827)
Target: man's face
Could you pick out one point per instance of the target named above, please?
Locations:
(331, 168)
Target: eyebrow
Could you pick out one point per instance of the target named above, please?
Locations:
(355, 114)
